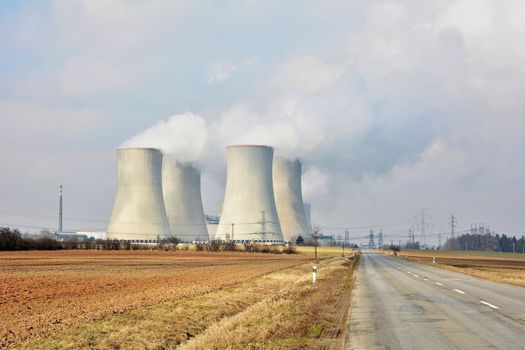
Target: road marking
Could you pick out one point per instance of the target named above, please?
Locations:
(426, 279)
(416, 276)
(439, 284)
(459, 291)
(489, 304)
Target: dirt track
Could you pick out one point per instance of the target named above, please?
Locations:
(44, 292)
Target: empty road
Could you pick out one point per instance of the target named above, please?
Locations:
(397, 304)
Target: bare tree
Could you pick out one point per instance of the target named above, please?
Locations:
(316, 232)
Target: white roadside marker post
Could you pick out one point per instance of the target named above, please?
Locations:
(314, 274)
(433, 260)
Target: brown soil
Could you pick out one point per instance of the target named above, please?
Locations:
(45, 292)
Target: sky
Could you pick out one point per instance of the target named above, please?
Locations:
(392, 106)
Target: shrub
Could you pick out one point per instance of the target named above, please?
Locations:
(289, 250)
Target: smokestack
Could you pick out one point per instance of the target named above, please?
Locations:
(248, 211)
(289, 198)
(138, 212)
(60, 228)
(181, 185)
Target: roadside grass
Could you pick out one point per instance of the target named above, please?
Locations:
(280, 310)
(294, 320)
(510, 275)
(462, 253)
(498, 267)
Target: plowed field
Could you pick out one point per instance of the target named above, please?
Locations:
(45, 292)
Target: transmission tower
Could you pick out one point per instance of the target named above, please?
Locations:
(262, 231)
(423, 224)
(380, 239)
(371, 243)
(411, 237)
(347, 235)
(453, 223)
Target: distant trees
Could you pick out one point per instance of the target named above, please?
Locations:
(12, 240)
(486, 242)
(299, 240)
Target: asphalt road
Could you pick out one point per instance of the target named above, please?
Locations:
(398, 304)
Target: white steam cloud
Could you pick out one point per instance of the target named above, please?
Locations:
(181, 136)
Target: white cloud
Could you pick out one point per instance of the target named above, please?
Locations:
(219, 72)
(308, 74)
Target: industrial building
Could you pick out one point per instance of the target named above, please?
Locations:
(138, 213)
(289, 198)
(181, 186)
(248, 212)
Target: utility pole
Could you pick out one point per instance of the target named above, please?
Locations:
(315, 233)
(513, 247)
(60, 228)
(233, 225)
(423, 227)
(439, 240)
(453, 223)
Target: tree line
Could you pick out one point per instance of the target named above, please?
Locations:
(12, 240)
(486, 242)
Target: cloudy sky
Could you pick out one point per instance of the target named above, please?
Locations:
(393, 106)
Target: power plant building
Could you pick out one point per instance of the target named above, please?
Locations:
(289, 198)
(249, 212)
(181, 185)
(138, 213)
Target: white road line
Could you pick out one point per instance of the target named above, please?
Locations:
(416, 276)
(439, 284)
(426, 279)
(459, 291)
(489, 304)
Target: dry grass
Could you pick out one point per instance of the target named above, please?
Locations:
(499, 267)
(276, 311)
(324, 251)
(511, 275)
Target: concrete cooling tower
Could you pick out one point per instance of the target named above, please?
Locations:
(289, 198)
(181, 185)
(138, 212)
(249, 212)
(308, 213)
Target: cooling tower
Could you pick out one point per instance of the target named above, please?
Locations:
(308, 213)
(249, 204)
(289, 198)
(181, 185)
(138, 213)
